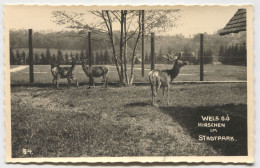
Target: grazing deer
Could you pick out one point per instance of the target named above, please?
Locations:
(63, 72)
(163, 78)
(95, 72)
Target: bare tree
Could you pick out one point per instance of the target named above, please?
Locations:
(130, 28)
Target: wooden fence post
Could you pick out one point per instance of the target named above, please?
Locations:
(90, 59)
(152, 51)
(143, 60)
(31, 57)
(201, 58)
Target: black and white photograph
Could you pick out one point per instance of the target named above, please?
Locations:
(129, 83)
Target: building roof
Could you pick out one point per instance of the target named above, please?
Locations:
(236, 24)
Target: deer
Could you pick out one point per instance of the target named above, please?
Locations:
(95, 72)
(63, 72)
(164, 78)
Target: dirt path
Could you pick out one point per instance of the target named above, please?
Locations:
(19, 68)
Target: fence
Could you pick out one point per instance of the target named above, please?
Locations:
(40, 74)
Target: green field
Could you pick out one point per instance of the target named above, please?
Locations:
(187, 73)
(120, 121)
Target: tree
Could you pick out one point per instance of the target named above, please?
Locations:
(130, 28)
(77, 56)
(53, 58)
(243, 54)
(147, 60)
(60, 59)
(208, 56)
(18, 58)
(160, 56)
(221, 53)
(234, 54)
(43, 59)
(36, 59)
(12, 57)
(48, 57)
(71, 56)
(66, 58)
(97, 59)
(107, 60)
(186, 56)
(235, 59)
(101, 58)
(82, 56)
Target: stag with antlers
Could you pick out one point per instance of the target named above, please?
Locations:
(63, 72)
(95, 72)
(164, 78)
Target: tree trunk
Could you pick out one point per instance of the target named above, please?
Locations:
(125, 50)
(111, 37)
(132, 70)
(135, 46)
(121, 47)
(115, 57)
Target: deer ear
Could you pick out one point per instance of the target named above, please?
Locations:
(180, 54)
(171, 57)
(168, 58)
(165, 57)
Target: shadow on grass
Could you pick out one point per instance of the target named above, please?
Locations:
(137, 104)
(189, 117)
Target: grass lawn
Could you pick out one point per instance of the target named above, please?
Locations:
(187, 73)
(78, 122)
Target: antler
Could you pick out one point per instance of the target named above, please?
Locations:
(168, 57)
(179, 56)
(139, 59)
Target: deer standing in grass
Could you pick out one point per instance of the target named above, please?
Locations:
(95, 72)
(164, 78)
(63, 72)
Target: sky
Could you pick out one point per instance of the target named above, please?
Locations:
(193, 20)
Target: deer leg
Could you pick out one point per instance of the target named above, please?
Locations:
(104, 80)
(153, 97)
(90, 82)
(69, 81)
(163, 90)
(158, 89)
(168, 90)
(93, 83)
(57, 81)
(155, 94)
(152, 92)
(75, 80)
(53, 81)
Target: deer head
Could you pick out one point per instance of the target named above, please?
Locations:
(177, 62)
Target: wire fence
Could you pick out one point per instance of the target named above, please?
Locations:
(197, 70)
(188, 74)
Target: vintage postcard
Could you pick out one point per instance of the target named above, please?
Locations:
(129, 84)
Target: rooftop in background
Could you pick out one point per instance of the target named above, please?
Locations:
(236, 24)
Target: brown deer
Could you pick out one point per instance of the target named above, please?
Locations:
(63, 72)
(164, 78)
(95, 72)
